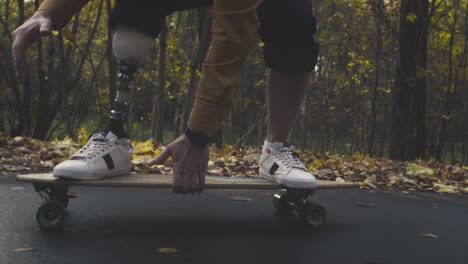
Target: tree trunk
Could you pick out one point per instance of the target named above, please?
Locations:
(111, 62)
(447, 112)
(158, 107)
(409, 95)
(379, 7)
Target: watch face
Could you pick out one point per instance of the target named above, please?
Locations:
(197, 138)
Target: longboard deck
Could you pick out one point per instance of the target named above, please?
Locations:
(165, 181)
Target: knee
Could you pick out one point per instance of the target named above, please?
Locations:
(131, 46)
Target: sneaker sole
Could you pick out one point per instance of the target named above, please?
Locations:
(288, 182)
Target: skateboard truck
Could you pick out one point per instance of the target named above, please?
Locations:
(51, 213)
(298, 204)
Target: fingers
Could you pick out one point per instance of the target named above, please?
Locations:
(176, 178)
(163, 156)
(200, 176)
(194, 179)
(31, 31)
(187, 176)
(46, 27)
(19, 59)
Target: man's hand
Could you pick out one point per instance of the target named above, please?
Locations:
(39, 25)
(189, 163)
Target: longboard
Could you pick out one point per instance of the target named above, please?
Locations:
(165, 181)
(54, 193)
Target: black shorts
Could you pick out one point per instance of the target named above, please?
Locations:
(287, 28)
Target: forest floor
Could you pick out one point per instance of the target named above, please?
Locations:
(25, 155)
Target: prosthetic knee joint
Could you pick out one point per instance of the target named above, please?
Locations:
(130, 48)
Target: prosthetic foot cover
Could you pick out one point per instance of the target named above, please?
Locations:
(234, 29)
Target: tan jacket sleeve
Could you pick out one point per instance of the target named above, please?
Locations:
(234, 31)
(62, 11)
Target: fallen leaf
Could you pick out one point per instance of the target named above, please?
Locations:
(168, 250)
(367, 183)
(241, 198)
(24, 250)
(413, 167)
(339, 179)
(72, 194)
(442, 188)
(429, 235)
(364, 205)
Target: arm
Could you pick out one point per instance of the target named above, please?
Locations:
(61, 11)
(233, 33)
(234, 29)
(51, 14)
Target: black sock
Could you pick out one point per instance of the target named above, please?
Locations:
(116, 127)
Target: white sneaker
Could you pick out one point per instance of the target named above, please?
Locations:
(283, 166)
(102, 157)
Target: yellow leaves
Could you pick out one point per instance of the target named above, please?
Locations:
(317, 163)
(68, 35)
(82, 136)
(442, 188)
(369, 182)
(358, 156)
(142, 148)
(418, 169)
(21, 154)
(429, 235)
(168, 250)
(411, 17)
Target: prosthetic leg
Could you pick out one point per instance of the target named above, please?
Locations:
(130, 48)
(109, 153)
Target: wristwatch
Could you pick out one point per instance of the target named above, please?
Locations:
(197, 138)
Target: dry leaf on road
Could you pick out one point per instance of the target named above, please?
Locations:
(168, 250)
(241, 198)
(429, 235)
(24, 250)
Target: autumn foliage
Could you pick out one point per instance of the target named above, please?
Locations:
(26, 155)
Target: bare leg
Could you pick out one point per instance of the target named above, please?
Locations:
(285, 92)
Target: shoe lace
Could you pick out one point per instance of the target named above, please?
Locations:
(97, 145)
(289, 157)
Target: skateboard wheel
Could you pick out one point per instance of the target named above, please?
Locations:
(65, 201)
(313, 215)
(50, 214)
(280, 203)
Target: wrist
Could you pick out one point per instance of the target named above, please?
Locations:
(42, 13)
(197, 138)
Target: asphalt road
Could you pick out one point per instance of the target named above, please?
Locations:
(129, 226)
